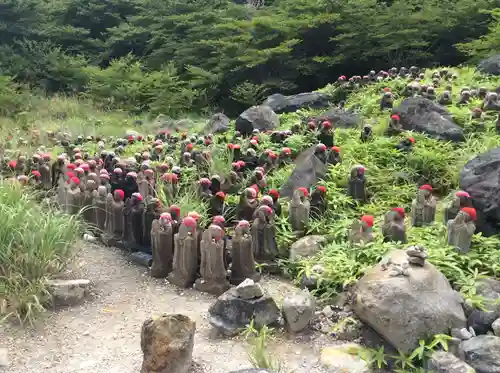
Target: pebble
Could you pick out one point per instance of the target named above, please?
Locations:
(4, 358)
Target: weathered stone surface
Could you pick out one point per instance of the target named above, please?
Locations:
(496, 327)
(68, 292)
(306, 246)
(167, 343)
(307, 172)
(483, 353)
(230, 313)
(248, 289)
(423, 115)
(444, 362)
(289, 104)
(298, 310)
(340, 118)
(261, 117)
(490, 65)
(218, 123)
(343, 358)
(479, 178)
(405, 309)
(479, 319)
(252, 370)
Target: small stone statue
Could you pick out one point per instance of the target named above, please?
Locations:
(247, 205)
(417, 255)
(362, 230)
(460, 200)
(357, 184)
(185, 254)
(319, 203)
(243, 263)
(114, 218)
(162, 245)
(461, 229)
(87, 202)
(99, 202)
(74, 196)
(153, 211)
(212, 269)
(204, 191)
(263, 231)
(394, 226)
(423, 208)
(299, 210)
(395, 126)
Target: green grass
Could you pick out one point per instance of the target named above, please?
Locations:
(392, 181)
(36, 242)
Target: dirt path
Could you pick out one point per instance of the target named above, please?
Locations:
(103, 335)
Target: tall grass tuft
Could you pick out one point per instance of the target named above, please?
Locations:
(35, 244)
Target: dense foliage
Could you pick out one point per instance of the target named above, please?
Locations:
(177, 55)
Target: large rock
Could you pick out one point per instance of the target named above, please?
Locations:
(423, 115)
(306, 246)
(340, 118)
(68, 292)
(307, 172)
(407, 309)
(481, 320)
(483, 353)
(261, 117)
(344, 358)
(218, 123)
(298, 310)
(230, 313)
(490, 65)
(289, 104)
(445, 362)
(479, 178)
(167, 343)
(496, 327)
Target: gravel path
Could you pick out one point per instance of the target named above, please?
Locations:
(103, 335)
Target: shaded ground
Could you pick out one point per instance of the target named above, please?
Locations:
(103, 335)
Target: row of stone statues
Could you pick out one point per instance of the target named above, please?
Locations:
(459, 217)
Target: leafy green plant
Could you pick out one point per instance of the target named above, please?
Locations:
(259, 355)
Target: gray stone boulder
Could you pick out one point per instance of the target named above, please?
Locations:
(298, 310)
(307, 246)
(405, 309)
(167, 343)
(420, 114)
(289, 104)
(479, 178)
(481, 320)
(340, 118)
(445, 362)
(307, 172)
(490, 65)
(483, 353)
(218, 123)
(344, 358)
(231, 313)
(260, 117)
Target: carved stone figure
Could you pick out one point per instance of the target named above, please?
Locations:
(45, 175)
(153, 211)
(263, 231)
(299, 210)
(185, 254)
(460, 200)
(162, 240)
(356, 187)
(146, 184)
(212, 269)
(461, 229)
(361, 230)
(114, 222)
(243, 262)
(394, 226)
(88, 202)
(74, 197)
(319, 203)
(135, 222)
(247, 205)
(99, 203)
(423, 208)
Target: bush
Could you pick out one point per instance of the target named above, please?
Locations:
(35, 244)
